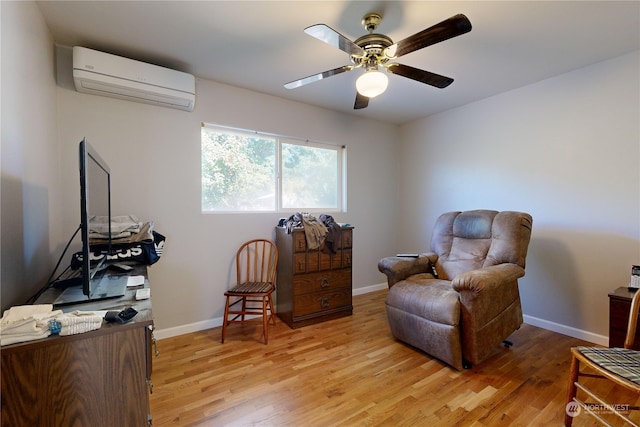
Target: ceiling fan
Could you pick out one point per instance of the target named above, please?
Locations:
(374, 51)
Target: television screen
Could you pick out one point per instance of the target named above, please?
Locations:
(95, 227)
(95, 213)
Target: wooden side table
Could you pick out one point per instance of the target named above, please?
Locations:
(619, 306)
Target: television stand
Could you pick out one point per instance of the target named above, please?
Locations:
(105, 287)
(68, 282)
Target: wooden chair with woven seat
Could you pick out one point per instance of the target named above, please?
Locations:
(620, 365)
(256, 263)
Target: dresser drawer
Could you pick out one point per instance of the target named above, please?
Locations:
(322, 281)
(299, 241)
(346, 258)
(340, 259)
(347, 238)
(312, 261)
(318, 302)
(324, 261)
(300, 263)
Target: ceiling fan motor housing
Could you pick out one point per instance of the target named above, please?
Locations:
(373, 45)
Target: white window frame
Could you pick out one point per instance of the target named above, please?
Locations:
(279, 141)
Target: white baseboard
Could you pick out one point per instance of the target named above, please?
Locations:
(187, 329)
(214, 323)
(567, 330)
(534, 321)
(372, 288)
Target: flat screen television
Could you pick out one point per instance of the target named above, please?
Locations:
(95, 229)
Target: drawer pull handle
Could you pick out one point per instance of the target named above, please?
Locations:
(324, 302)
(324, 282)
(156, 351)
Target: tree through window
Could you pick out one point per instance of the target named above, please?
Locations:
(249, 171)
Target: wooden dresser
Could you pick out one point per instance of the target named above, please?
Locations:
(312, 285)
(100, 378)
(619, 307)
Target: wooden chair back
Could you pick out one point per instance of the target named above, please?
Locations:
(256, 261)
(633, 320)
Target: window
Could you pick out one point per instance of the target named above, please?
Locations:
(255, 172)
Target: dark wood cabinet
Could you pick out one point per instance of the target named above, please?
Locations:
(98, 378)
(619, 306)
(313, 285)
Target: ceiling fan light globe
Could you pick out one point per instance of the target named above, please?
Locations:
(372, 83)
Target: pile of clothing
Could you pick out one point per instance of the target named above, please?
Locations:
(324, 231)
(122, 227)
(132, 240)
(33, 322)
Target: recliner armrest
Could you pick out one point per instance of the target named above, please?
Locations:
(486, 295)
(399, 268)
(477, 281)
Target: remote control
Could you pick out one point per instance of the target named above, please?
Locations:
(120, 316)
(434, 272)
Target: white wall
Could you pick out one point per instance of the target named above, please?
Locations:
(30, 190)
(154, 155)
(566, 150)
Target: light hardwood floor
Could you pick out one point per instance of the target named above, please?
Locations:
(352, 372)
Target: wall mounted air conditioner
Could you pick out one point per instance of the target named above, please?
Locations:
(104, 74)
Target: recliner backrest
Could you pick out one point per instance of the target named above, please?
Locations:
(471, 240)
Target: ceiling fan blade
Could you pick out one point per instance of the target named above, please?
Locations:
(330, 36)
(316, 77)
(422, 76)
(361, 102)
(449, 28)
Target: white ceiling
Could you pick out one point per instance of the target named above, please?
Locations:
(260, 45)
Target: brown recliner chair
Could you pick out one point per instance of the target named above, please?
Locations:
(461, 300)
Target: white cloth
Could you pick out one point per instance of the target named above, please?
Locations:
(78, 322)
(22, 312)
(16, 338)
(26, 323)
(31, 322)
(121, 226)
